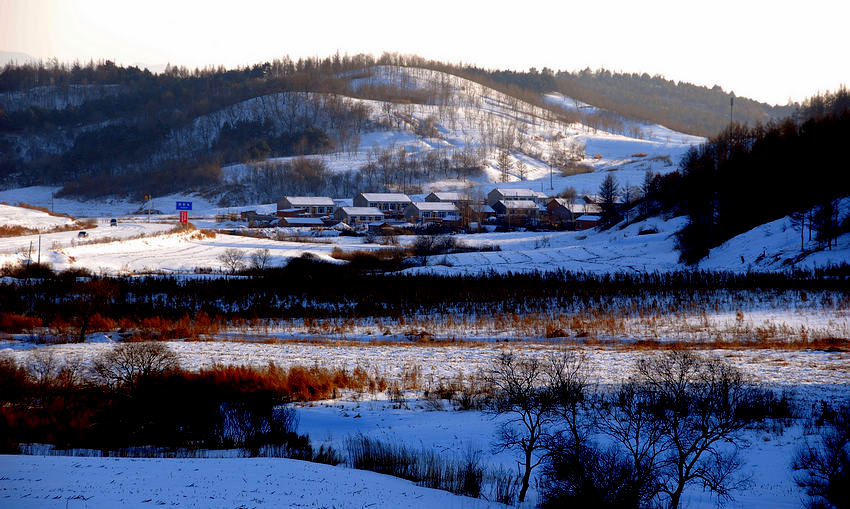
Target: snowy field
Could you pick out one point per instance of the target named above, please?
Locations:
(45, 481)
(34, 219)
(106, 483)
(149, 247)
(766, 456)
(56, 481)
(444, 363)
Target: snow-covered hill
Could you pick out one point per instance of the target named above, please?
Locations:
(464, 116)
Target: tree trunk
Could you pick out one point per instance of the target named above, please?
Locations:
(675, 497)
(526, 478)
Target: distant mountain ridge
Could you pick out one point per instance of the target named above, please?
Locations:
(16, 57)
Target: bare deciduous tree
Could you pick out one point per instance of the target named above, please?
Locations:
(260, 258)
(628, 417)
(696, 400)
(522, 396)
(503, 159)
(127, 364)
(521, 169)
(232, 258)
(568, 381)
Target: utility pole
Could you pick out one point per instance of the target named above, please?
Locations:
(551, 185)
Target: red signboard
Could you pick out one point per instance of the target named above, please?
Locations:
(184, 216)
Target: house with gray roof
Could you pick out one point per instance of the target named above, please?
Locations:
(312, 206)
(390, 204)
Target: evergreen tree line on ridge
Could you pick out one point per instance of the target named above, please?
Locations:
(746, 176)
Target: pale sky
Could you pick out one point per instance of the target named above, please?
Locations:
(767, 50)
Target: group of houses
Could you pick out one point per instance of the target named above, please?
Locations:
(509, 207)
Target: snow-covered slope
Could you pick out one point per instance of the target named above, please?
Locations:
(29, 218)
(777, 246)
(107, 483)
(467, 116)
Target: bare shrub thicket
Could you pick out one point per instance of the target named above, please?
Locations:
(138, 399)
(695, 308)
(260, 258)
(425, 467)
(676, 422)
(126, 365)
(822, 463)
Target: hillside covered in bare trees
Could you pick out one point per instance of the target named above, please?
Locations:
(101, 129)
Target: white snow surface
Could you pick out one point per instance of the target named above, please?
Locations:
(29, 218)
(106, 483)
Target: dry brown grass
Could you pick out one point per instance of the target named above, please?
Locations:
(378, 254)
(575, 169)
(203, 234)
(16, 231)
(15, 323)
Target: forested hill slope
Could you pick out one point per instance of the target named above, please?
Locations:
(748, 176)
(101, 128)
(681, 106)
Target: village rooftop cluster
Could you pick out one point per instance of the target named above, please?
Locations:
(383, 212)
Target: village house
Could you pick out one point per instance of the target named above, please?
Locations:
(390, 227)
(429, 212)
(459, 199)
(477, 213)
(310, 206)
(541, 199)
(356, 216)
(302, 222)
(563, 211)
(390, 204)
(501, 194)
(587, 222)
(262, 221)
(517, 211)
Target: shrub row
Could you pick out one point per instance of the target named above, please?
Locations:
(310, 289)
(136, 395)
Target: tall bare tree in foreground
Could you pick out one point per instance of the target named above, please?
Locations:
(696, 401)
(522, 396)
